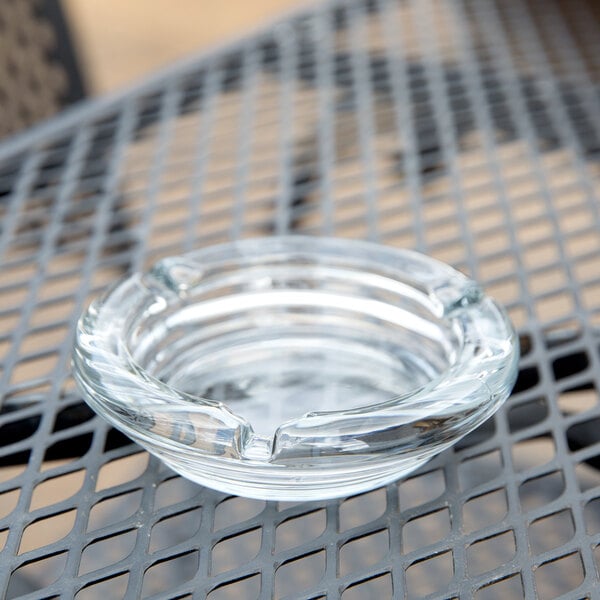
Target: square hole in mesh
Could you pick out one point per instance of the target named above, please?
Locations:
(175, 490)
(47, 531)
(572, 364)
(421, 489)
(13, 297)
(430, 575)
(400, 239)
(114, 439)
(103, 277)
(576, 219)
(442, 232)
(394, 209)
(478, 436)
(518, 314)
(171, 216)
(519, 187)
(582, 244)
(592, 516)
(362, 509)
(551, 531)
(169, 573)
(174, 529)
(73, 415)
(16, 464)
(352, 230)
(491, 553)
(479, 469)
(17, 429)
(586, 269)
(505, 291)
(298, 575)
(68, 448)
(453, 253)
(363, 552)
(247, 588)
(527, 414)
(538, 491)
(378, 588)
(533, 231)
(511, 587)
(533, 452)
(3, 537)
(426, 530)
(256, 229)
(555, 306)
(547, 280)
(38, 574)
(34, 368)
(59, 287)
(557, 577)
(20, 273)
(498, 266)
(299, 530)
(113, 510)
(165, 239)
(491, 243)
(109, 551)
(591, 296)
(527, 378)
(485, 510)
(56, 489)
(483, 221)
(236, 510)
(236, 551)
(540, 255)
(526, 343)
(583, 434)
(112, 587)
(588, 475)
(122, 470)
(8, 502)
(52, 312)
(63, 262)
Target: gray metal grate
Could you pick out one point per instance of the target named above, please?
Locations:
(468, 130)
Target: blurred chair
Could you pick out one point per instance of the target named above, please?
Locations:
(39, 73)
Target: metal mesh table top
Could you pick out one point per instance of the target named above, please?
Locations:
(468, 130)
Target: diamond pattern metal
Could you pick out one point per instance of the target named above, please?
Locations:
(468, 130)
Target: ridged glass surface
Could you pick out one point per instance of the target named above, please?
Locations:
(295, 368)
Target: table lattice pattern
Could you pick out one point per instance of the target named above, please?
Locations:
(469, 130)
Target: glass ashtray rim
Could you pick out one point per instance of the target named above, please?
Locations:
(466, 376)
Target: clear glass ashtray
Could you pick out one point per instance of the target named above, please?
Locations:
(295, 368)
